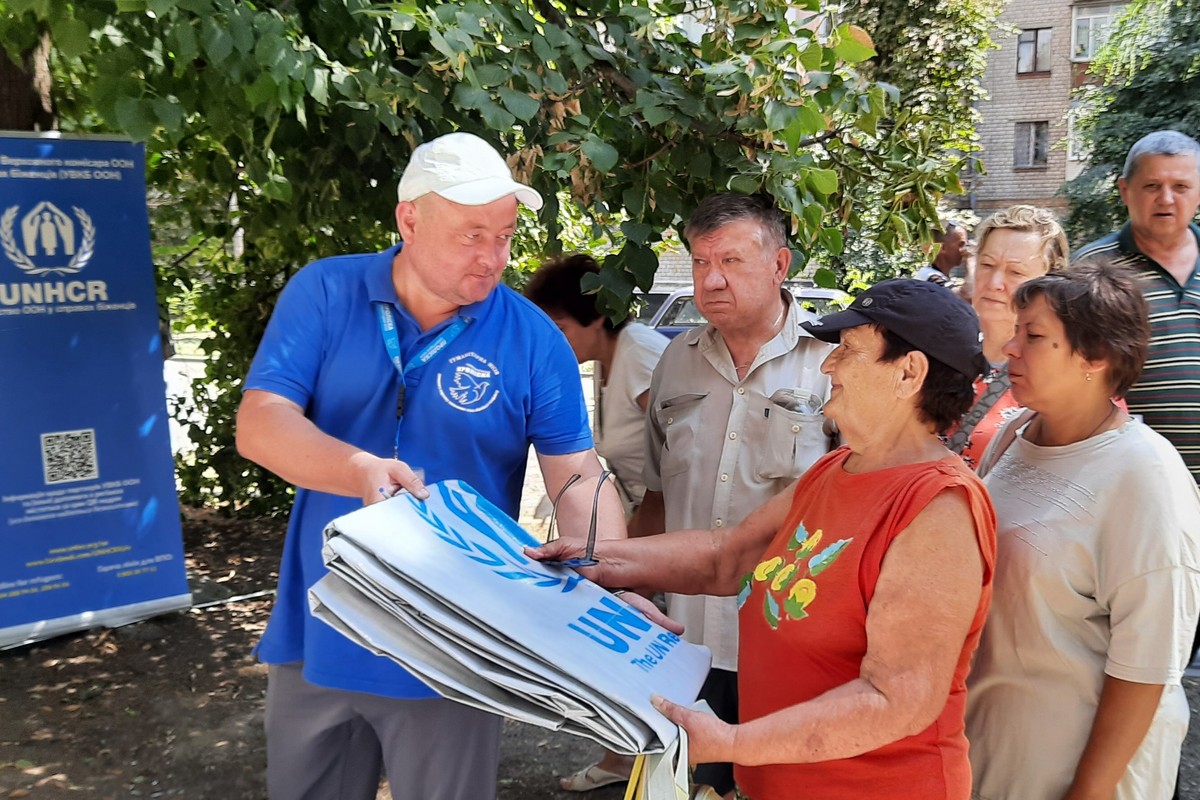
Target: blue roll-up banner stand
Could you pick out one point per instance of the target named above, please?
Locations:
(89, 518)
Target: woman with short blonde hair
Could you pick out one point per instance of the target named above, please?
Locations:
(1013, 246)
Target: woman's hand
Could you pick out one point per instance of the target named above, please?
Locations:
(710, 740)
(651, 612)
(562, 549)
(558, 550)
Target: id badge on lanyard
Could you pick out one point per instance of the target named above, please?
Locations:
(391, 341)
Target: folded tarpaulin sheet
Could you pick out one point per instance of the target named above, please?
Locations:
(443, 587)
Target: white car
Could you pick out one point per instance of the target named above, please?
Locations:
(679, 313)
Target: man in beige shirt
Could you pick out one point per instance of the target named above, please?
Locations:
(734, 411)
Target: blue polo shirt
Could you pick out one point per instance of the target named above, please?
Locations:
(507, 381)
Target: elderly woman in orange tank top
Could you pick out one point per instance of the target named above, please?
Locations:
(863, 586)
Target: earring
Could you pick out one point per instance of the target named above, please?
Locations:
(1089, 376)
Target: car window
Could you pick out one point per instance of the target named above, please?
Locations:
(647, 305)
(819, 305)
(682, 311)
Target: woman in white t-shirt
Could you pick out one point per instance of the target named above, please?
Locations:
(626, 354)
(1075, 690)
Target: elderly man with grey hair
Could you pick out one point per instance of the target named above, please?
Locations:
(1160, 186)
(735, 412)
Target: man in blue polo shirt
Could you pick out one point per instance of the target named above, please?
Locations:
(374, 370)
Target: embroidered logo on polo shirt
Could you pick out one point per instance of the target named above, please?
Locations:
(469, 382)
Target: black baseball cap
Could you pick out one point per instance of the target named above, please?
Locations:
(929, 317)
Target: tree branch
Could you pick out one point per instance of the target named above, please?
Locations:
(178, 262)
(618, 79)
(643, 162)
(742, 139)
(550, 13)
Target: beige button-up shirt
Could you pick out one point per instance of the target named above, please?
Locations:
(719, 447)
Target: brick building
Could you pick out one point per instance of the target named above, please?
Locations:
(1045, 48)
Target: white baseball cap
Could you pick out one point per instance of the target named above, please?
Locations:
(464, 169)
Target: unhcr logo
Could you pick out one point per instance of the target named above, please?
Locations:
(47, 240)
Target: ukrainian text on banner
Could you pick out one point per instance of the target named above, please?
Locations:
(444, 588)
(89, 519)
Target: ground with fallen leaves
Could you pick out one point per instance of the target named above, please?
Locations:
(172, 707)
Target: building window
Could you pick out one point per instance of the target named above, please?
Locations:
(1033, 51)
(1077, 150)
(1092, 24)
(1031, 144)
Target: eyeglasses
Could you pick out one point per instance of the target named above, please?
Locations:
(588, 559)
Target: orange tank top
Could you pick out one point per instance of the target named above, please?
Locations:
(803, 626)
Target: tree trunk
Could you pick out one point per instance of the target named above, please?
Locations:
(26, 103)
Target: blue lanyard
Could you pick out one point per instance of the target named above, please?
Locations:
(391, 341)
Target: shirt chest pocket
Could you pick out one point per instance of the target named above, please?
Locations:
(679, 419)
(792, 441)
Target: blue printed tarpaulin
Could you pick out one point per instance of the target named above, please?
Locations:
(530, 641)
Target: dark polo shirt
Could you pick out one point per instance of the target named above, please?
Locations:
(1167, 396)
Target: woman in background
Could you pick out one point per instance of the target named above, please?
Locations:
(1075, 690)
(626, 354)
(1014, 246)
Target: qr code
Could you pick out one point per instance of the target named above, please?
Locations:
(69, 456)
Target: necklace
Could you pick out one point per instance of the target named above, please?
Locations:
(1112, 411)
(774, 330)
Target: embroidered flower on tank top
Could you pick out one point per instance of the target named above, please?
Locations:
(790, 585)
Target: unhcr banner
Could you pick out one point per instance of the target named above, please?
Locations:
(89, 519)
(443, 587)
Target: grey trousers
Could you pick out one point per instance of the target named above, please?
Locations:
(330, 744)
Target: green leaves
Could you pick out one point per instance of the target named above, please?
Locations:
(216, 41)
(290, 123)
(470, 97)
(853, 44)
(602, 154)
(168, 114)
(136, 117)
(521, 106)
(822, 181)
(71, 36)
(825, 278)
(831, 240)
(636, 232)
